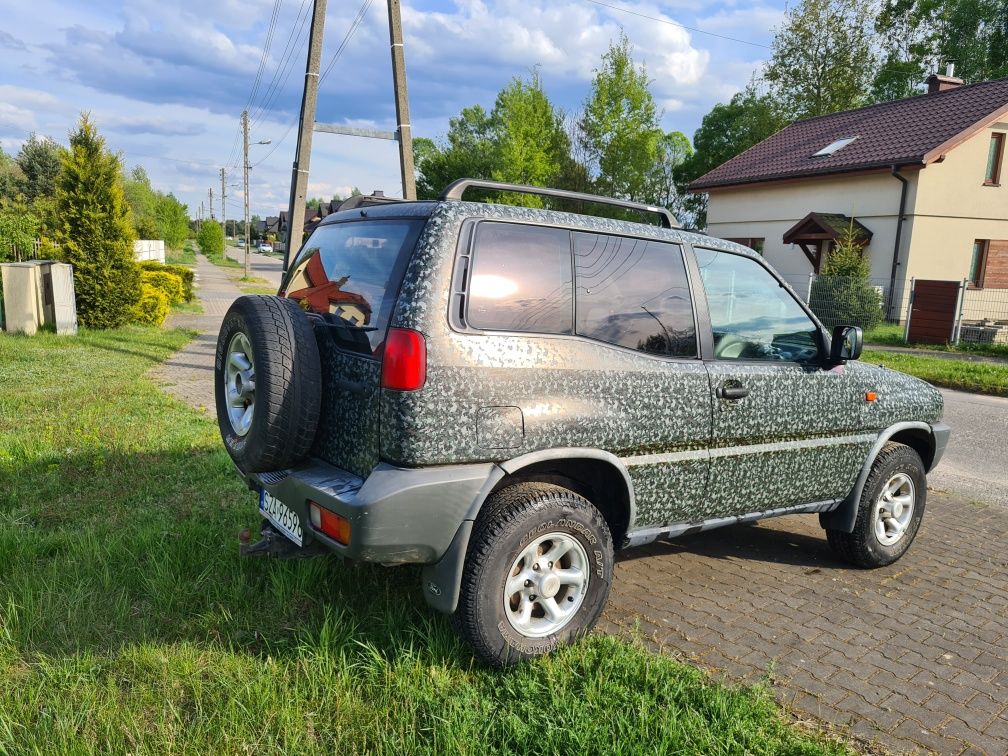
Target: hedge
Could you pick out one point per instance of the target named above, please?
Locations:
(152, 309)
(186, 274)
(168, 283)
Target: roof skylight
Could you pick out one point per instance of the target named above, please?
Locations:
(832, 147)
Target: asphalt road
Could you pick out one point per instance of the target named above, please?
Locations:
(263, 266)
(975, 464)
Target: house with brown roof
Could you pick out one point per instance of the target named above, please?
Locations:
(919, 180)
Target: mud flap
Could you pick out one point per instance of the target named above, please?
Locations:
(442, 580)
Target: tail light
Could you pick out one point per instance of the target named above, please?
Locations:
(404, 362)
(330, 523)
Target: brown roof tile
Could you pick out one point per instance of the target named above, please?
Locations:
(902, 132)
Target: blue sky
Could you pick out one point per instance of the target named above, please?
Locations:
(166, 82)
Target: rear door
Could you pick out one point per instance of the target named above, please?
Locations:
(348, 274)
(785, 430)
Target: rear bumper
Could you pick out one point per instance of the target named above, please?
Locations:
(397, 515)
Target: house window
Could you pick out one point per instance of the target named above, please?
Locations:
(833, 147)
(978, 263)
(994, 155)
(756, 245)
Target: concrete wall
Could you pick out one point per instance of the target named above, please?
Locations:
(149, 249)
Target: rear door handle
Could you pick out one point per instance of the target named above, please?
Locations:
(732, 392)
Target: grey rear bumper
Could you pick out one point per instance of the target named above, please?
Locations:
(397, 515)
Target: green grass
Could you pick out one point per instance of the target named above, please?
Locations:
(128, 623)
(255, 285)
(979, 377)
(891, 334)
(186, 256)
(194, 307)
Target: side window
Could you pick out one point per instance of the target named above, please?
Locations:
(521, 279)
(634, 293)
(752, 316)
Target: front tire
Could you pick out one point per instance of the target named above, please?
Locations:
(537, 573)
(890, 511)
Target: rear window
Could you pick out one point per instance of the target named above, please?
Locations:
(349, 273)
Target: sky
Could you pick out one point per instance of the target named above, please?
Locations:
(166, 82)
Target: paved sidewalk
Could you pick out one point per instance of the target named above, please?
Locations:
(913, 656)
(263, 266)
(189, 374)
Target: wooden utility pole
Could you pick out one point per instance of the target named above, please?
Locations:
(306, 125)
(223, 205)
(245, 170)
(401, 101)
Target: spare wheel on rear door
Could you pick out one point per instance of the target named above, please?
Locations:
(267, 383)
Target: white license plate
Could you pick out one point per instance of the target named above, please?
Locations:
(283, 517)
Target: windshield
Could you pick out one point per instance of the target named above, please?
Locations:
(349, 273)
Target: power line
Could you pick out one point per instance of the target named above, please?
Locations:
(277, 5)
(295, 42)
(354, 25)
(676, 23)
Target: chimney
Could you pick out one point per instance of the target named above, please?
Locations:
(938, 83)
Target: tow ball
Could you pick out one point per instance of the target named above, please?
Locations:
(274, 544)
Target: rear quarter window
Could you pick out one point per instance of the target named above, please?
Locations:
(349, 274)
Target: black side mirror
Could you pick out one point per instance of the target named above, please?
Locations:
(846, 344)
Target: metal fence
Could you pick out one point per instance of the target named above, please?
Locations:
(977, 316)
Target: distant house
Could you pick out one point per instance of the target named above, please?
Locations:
(920, 180)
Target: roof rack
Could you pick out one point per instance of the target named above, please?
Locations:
(456, 189)
(364, 200)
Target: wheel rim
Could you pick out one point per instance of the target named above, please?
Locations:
(894, 509)
(239, 384)
(546, 585)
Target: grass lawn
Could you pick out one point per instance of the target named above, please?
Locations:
(980, 377)
(891, 334)
(128, 623)
(255, 285)
(186, 256)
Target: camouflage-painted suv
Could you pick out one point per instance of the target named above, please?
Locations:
(505, 395)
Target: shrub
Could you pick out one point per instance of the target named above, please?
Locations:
(211, 239)
(843, 294)
(186, 274)
(94, 232)
(152, 309)
(167, 283)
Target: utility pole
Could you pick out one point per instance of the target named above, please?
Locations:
(245, 164)
(211, 203)
(223, 206)
(401, 101)
(306, 125)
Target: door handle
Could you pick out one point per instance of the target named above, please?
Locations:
(732, 392)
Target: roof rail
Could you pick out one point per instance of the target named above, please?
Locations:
(366, 200)
(456, 189)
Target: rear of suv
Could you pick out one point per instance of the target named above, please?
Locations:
(507, 395)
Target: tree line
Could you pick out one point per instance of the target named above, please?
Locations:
(827, 56)
(31, 210)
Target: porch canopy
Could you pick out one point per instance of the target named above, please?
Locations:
(815, 231)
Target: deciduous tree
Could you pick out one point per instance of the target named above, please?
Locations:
(39, 160)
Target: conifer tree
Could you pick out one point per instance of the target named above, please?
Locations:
(94, 232)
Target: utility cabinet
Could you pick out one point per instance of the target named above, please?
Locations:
(37, 293)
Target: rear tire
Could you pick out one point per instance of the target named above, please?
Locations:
(537, 573)
(267, 383)
(890, 511)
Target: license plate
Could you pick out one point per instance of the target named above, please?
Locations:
(283, 517)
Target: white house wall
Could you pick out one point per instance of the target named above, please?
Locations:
(767, 211)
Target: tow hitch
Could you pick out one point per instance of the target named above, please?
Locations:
(275, 544)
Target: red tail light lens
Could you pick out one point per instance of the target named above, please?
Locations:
(404, 363)
(330, 523)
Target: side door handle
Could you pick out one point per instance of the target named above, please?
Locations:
(732, 392)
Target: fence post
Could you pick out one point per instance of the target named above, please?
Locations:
(906, 328)
(808, 290)
(959, 311)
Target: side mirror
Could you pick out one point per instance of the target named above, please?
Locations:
(846, 344)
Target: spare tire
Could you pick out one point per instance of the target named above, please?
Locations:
(267, 383)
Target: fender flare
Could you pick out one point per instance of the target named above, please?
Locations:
(844, 515)
(442, 580)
